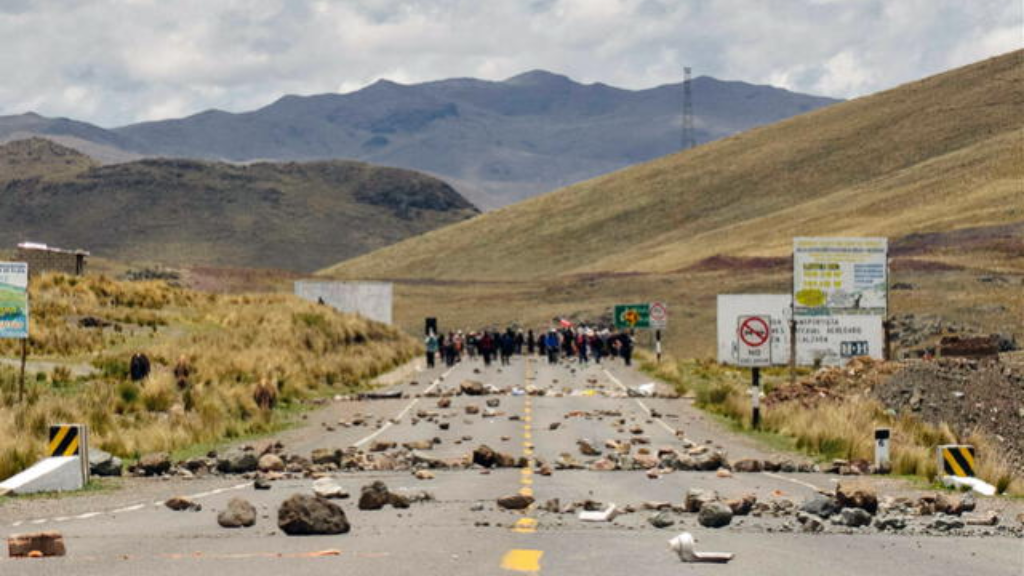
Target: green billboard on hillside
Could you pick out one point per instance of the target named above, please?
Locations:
(13, 300)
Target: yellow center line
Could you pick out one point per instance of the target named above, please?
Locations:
(522, 560)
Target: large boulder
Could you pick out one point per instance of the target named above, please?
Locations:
(302, 514)
(714, 515)
(104, 463)
(472, 388)
(270, 463)
(239, 514)
(155, 464)
(488, 458)
(238, 462)
(329, 488)
(852, 517)
(38, 543)
(747, 465)
(323, 456)
(515, 502)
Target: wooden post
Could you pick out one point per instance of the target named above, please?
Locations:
(21, 380)
(657, 344)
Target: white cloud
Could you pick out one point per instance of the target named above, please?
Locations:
(118, 61)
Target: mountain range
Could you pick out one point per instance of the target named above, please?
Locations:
(495, 142)
(935, 165)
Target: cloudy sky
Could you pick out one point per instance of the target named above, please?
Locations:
(114, 62)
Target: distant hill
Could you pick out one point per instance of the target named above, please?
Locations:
(496, 142)
(936, 165)
(294, 216)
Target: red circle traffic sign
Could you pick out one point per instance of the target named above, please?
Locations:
(658, 312)
(754, 331)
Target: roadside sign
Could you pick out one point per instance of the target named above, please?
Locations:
(14, 300)
(754, 334)
(840, 275)
(836, 339)
(632, 316)
(659, 315)
(777, 307)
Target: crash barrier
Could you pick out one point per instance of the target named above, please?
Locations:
(957, 460)
(66, 466)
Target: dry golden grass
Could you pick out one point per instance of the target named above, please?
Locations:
(230, 341)
(841, 429)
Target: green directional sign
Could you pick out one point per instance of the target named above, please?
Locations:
(633, 316)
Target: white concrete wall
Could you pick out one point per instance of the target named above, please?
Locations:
(372, 300)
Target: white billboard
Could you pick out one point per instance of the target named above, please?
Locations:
(825, 340)
(368, 299)
(834, 340)
(732, 307)
(840, 275)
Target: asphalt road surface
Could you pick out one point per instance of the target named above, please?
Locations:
(129, 531)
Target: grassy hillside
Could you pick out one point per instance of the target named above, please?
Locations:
(296, 216)
(936, 165)
(231, 342)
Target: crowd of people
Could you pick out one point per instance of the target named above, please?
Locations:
(581, 344)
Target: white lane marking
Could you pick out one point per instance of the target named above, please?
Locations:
(87, 515)
(793, 480)
(62, 519)
(639, 402)
(128, 509)
(404, 411)
(39, 521)
(18, 523)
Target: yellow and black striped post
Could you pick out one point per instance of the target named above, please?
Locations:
(956, 460)
(70, 440)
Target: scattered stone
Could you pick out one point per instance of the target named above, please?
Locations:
(424, 475)
(723, 473)
(374, 496)
(747, 465)
(852, 517)
(587, 448)
(36, 545)
(742, 506)
(238, 462)
(893, 523)
(324, 456)
(696, 499)
(329, 488)
(945, 523)
(860, 496)
(239, 514)
(714, 515)
(302, 514)
(261, 484)
(472, 388)
(155, 464)
(444, 402)
(990, 518)
(472, 409)
(493, 402)
(103, 463)
(515, 502)
(810, 522)
(381, 445)
(821, 506)
(180, 503)
(554, 425)
(270, 463)
(662, 519)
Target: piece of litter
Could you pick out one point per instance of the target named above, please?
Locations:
(683, 545)
(976, 484)
(605, 515)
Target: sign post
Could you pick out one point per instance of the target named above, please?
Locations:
(754, 335)
(658, 313)
(632, 316)
(14, 311)
(882, 449)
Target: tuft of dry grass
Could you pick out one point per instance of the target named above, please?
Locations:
(230, 342)
(828, 430)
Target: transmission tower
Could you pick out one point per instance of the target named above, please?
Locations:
(689, 135)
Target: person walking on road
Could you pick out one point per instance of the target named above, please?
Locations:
(508, 347)
(582, 345)
(551, 345)
(626, 349)
(486, 347)
(432, 347)
(531, 342)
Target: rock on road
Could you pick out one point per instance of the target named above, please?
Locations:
(462, 531)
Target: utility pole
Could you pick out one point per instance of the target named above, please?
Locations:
(689, 137)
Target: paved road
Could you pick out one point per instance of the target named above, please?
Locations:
(130, 532)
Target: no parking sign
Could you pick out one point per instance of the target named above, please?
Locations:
(754, 335)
